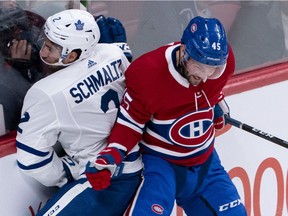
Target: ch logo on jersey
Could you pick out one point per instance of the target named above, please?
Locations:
(193, 129)
(158, 209)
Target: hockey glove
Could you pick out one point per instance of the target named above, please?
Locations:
(71, 168)
(220, 110)
(112, 31)
(99, 173)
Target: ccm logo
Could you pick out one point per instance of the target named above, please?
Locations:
(53, 210)
(229, 205)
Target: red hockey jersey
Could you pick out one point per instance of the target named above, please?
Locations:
(164, 113)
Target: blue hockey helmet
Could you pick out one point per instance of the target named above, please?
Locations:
(205, 41)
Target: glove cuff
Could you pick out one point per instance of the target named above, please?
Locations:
(71, 168)
(111, 155)
(220, 110)
(126, 49)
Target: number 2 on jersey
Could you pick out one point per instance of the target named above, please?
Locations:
(109, 96)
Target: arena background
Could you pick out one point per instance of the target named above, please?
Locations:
(256, 94)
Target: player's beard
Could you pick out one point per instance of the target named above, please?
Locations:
(192, 79)
(180, 66)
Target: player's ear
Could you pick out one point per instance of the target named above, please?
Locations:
(72, 56)
(182, 48)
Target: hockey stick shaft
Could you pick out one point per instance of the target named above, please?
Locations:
(256, 131)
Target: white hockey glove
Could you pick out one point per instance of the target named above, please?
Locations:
(71, 168)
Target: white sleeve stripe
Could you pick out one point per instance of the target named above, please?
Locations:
(157, 136)
(127, 124)
(127, 116)
(119, 146)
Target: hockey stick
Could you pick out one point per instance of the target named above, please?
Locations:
(256, 131)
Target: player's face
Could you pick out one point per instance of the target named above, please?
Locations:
(50, 52)
(195, 72)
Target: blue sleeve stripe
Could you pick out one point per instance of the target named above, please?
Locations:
(132, 157)
(36, 165)
(109, 158)
(121, 116)
(31, 150)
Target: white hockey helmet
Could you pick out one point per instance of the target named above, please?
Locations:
(72, 29)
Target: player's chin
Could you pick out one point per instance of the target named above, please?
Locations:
(194, 80)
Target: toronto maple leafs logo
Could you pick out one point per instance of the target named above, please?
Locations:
(79, 25)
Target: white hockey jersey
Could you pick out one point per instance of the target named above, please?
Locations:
(77, 107)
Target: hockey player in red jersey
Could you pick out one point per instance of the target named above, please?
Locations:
(172, 106)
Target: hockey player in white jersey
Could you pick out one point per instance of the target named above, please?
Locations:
(76, 106)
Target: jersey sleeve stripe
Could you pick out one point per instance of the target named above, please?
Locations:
(31, 150)
(158, 136)
(173, 153)
(125, 116)
(129, 125)
(132, 157)
(36, 165)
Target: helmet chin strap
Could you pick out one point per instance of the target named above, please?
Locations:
(59, 63)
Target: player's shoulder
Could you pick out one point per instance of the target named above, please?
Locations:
(59, 80)
(231, 64)
(106, 53)
(103, 54)
(231, 57)
(108, 50)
